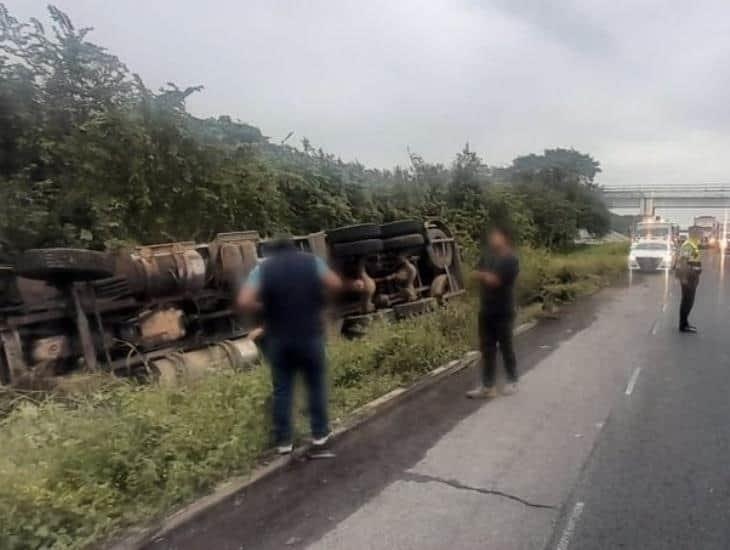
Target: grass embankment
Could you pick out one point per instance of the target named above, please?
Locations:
(72, 472)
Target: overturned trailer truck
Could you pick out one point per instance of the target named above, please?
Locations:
(168, 309)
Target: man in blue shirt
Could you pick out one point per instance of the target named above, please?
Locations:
(289, 290)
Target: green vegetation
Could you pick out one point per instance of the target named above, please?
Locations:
(623, 224)
(73, 471)
(89, 156)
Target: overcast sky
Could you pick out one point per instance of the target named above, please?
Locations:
(642, 85)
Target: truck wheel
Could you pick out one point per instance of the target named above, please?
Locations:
(401, 227)
(414, 240)
(358, 248)
(351, 233)
(441, 255)
(53, 264)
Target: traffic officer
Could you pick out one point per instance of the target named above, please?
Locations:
(689, 268)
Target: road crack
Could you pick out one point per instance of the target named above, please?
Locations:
(423, 478)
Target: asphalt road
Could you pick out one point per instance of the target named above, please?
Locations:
(659, 476)
(617, 439)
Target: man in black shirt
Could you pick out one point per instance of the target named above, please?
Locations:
(498, 270)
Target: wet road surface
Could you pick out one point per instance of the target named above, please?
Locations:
(617, 439)
(659, 476)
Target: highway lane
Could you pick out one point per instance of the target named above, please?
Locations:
(659, 476)
(440, 471)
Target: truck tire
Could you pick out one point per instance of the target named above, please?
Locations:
(358, 248)
(440, 256)
(71, 264)
(351, 233)
(400, 227)
(414, 240)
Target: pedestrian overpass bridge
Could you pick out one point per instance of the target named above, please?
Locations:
(646, 198)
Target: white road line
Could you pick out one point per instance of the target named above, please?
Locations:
(632, 381)
(570, 527)
(654, 327)
(664, 307)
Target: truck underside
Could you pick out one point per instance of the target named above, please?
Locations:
(168, 310)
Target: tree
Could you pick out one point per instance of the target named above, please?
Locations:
(567, 160)
(431, 181)
(89, 156)
(554, 216)
(51, 87)
(467, 179)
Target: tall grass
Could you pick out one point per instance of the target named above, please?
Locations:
(72, 472)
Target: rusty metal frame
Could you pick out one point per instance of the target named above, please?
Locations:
(13, 351)
(93, 315)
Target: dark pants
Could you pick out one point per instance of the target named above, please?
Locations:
(688, 300)
(305, 355)
(493, 332)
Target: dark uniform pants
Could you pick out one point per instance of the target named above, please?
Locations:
(689, 289)
(494, 332)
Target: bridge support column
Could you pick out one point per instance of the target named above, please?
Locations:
(646, 206)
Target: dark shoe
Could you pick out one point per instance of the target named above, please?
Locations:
(321, 448)
(688, 328)
(482, 392)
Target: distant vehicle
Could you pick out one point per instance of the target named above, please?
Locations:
(724, 242)
(656, 230)
(709, 229)
(723, 232)
(683, 236)
(651, 255)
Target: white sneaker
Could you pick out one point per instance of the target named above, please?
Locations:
(285, 449)
(321, 440)
(320, 448)
(510, 388)
(482, 392)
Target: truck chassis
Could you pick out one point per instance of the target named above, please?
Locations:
(160, 309)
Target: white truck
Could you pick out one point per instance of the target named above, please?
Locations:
(710, 230)
(652, 255)
(654, 246)
(656, 230)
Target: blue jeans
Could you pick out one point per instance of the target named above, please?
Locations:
(287, 357)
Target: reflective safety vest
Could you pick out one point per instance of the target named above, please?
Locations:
(689, 265)
(689, 252)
